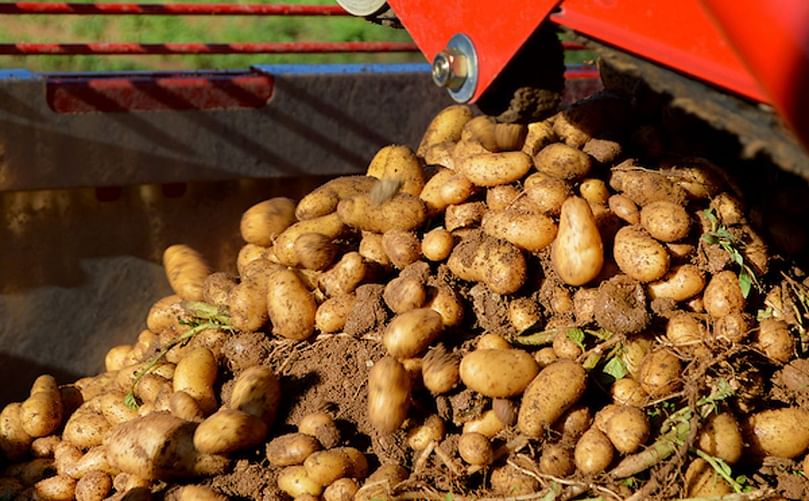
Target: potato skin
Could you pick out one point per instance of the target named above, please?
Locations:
(41, 413)
(475, 449)
(402, 212)
(294, 481)
(95, 486)
(323, 200)
(577, 253)
(557, 387)
(186, 270)
(436, 245)
(263, 222)
(345, 276)
(229, 430)
(332, 313)
(701, 480)
(660, 373)
(623, 207)
(638, 255)
(665, 221)
(398, 162)
(195, 374)
(493, 169)
(681, 283)
(290, 305)
(324, 467)
(546, 193)
(291, 449)
(593, 453)
(773, 338)
(530, 232)
(721, 437)
(627, 429)
(723, 295)
(498, 373)
(247, 304)
(778, 432)
(315, 251)
(257, 391)
(562, 161)
(500, 265)
(388, 394)
(445, 126)
(402, 247)
(410, 333)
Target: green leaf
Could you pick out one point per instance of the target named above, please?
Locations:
(615, 367)
(591, 361)
(449, 497)
(737, 256)
(577, 336)
(763, 314)
(709, 213)
(130, 401)
(709, 238)
(745, 282)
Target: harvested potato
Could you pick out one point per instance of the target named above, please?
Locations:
(216, 288)
(773, 338)
(343, 489)
(437, 244)
(493, 169)
(557, 387)
(399, 163)
(431, 196)
(332, 313)
(499, 265)
(409, 333)
(498, 373)
(324, 467)
(638, 255)
(323, 200)
(229, 430)
(95, 486)
(290, 305)
(562, 161)
(294, 481)
(665, 221)
(509, 481)
(195, 374)
(546, 193)
(388, 394)
(523, 313)
(247, 304)
(403, 212)
(381, 482)
(593, 452)
(186, 270)
(595, 192)
(371, 249)
(200, 493)
(778, 432)
(502, 196)
(487, 424)
(457, 189)
(577, 253)
(446, 303)
(291, 449)
(659, 374)
(406, 293)
(475, 449)
(432, 430)
(530, 232)
(257, 392)
(564, 347)
(41, 413)
(440, 370)
(402, 247)
(57, 488)
(556, 460)
(345, 276)
(721, 437)
(321, 426)
(539, 135)
(86, 427)
(315, 251)
(466, 215)
(684, 330)
(262, 223)
(330, 225)
(723, 295)
(681, 283)
(627, 428)
(445, 126)
(620, 306)
(702, 480)
(644, 186)
(249, 253)
(623, 207)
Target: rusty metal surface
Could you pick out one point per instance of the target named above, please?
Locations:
(324, 123)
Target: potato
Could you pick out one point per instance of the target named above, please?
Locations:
(627, 428)
(249, 253)
(58, 488)
(773, 338)
(480, 130)
(330, 225)
(594, 191)
(564, 347)
(623, 207)
(721, 437)
(539, 135)
(323, 200)
(332, 313)
(573, 423)
(410, 333)
(492, 169)
(523, 313)
(457, 189)
(562, 161)
(186, 270)
(184, 406)
(345, 276)
(94, 459)
(401, 212)
(371, 249)
(291, 449)
(487, 424)
(778, 432)
(498, 373)
(359, 463)
(643, 186)
(681, 283)
(294, 481)
(577, 253)
(500, 265)
(466, 215)
(321, 426)
(702, 481)
(343, 489)
(195, 374)
(440, 370)
(557, 460)
(501, 197)
(262, 223)
(445, 302)
(445, 126)
(665, 221)
(116, 357)
(659, 374)
(165, 449)
(388, 394)
(229, 430)
(510, 136)
(403, 294)
(199, 493)
(723, 295)
(315, 251)
(290, 305)
(41, 413)
(95, 486)
(627, 391)
(432, 430)
(685, 330)
(324, 467)
(557, 387)
(593, 452)
(163, 315)
(398, 162)
(530, 232)
(431, 193)
(381, 482)
(475, 449)
(640, 256)
(86, 427)
(257, 392)
(437, 244)
(510, 482)
(247, 304)
(546, 193)
(43, 447)
(402, 247)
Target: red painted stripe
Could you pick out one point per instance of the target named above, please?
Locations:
(169, 9)
(141, 93)
(72, 49)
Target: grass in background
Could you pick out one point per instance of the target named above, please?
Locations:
(225, 29)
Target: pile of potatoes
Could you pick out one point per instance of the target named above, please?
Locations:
(570, 290)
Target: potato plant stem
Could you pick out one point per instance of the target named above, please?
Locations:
(537, 339)
(658, 451)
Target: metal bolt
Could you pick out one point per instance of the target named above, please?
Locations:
(450, 69)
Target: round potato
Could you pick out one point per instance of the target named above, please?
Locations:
(403, 294)
(557, 460)
(95, 486)
(294, 481)
(778, 432)
(440, 370)
(498, 373)
(409, 334)
(401, 247)
(291, 449)
(445, 126)
(640, 256)
(562, 161)
(660, 373)
(627, 428)
(665, 221)
(475, 449)
(546, 193)
(437, 244)
(332, 313)
(262, 223)
(432, 430)
(343, 489)
(773, 338)
(593, 452)
(500, 265)
(723, 295)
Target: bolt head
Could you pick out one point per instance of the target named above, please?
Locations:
(442, 69)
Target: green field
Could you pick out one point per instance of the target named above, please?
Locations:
(156, 29)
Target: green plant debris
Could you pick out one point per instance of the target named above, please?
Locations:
(719, 235)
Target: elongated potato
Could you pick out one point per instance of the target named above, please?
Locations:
(401, 212)
(186, 270)
(665, 221)
(492, 169)
(388, 394)
(623, 207)
(402, 247)
(400, 163)
(263, 222)
(593, 453)
(315, 251)
(291, 449)
(229, 430)
(290, 305)
(257, 391)
(329, 225)
(445, 126)
(57, 488)
(562, 161)
(14, 441)
(323, 200)
(195, 374)
(643, 186)
(681, 283)
(722, 438)
(639, 255)
(247, 304)
(500, 265)
(498, 373)
(345, 276)
(457, 189)
(577, 253)
(410, 333)
(530, 232)
(557, 387)
(41, 413)
(431, 196)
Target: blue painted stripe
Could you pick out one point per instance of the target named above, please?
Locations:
(331, 69)
(19, 74)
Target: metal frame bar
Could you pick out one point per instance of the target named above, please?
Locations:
(169, 9)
